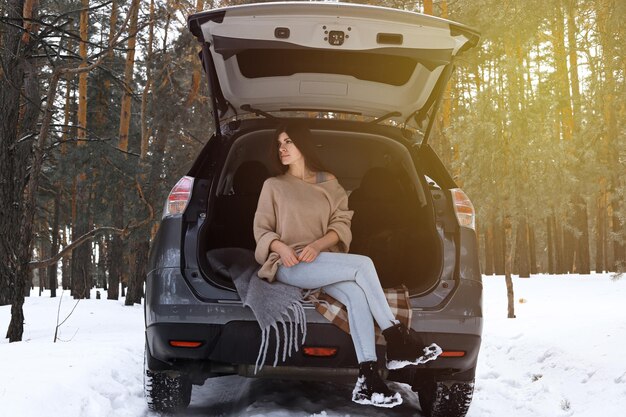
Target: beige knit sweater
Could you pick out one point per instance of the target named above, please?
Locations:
(297, 213)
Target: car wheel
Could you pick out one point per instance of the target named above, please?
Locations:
(165, 390)
(446, 398)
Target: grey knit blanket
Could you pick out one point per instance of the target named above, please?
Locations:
(275, 305)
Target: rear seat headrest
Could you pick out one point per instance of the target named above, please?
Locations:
(249, 177)
(381, 183)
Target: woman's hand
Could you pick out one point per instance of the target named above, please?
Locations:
(287, 255)
(309, 253)
(312, 250)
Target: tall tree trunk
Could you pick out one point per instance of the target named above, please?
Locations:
(583, 262)
(66, 264)
(606, 31)
(551, 246)
(102, 264)
(101, 115)
(145, 132)
(128, 77)
(498, 247)
(82, 77)
(618, 232)
(81, 255)
(16, 236)
(137, 277)
(44, 253)
(522, 248)
(141, 246)
(606, 255)
(28, 126)
(168, 19)
(52, 269)
(106, 90)
(116, 253)
(532, 247)
(555, 252)
(118, 269)
(489, 255)
(112, 24)
(572, 9)
(569, 249)
(428, 7)
(106, 258)
(30, 7)
(565, 108)
(196, 76)
(510, 295)
(558, 241)
(66, 115)
(600, 232)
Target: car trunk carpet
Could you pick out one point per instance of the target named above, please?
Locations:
(275, 305)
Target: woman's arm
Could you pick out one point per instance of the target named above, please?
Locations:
(312, 250)
(287, 255)
(338, 234)
(340, 219)
(264, 226)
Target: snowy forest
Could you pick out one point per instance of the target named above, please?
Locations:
(103, 107)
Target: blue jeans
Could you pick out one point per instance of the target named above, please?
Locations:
(352, 280)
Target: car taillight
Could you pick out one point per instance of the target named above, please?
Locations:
(319, 351)
(452, 354)
(185, 343)
(463, 208)
(179, 197)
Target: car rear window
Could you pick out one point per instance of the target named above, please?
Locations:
(368, 66)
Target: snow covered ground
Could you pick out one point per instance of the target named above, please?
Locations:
(562, 356)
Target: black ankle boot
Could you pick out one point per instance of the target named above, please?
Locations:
(371, 389)
(405, 347)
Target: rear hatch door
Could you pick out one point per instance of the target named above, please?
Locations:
(331, 57)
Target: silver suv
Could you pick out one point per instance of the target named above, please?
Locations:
(367, 81)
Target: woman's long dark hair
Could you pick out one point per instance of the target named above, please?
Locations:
(300, 135)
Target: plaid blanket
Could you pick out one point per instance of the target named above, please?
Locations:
(336, 312)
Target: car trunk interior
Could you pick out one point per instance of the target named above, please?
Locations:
(393, 222)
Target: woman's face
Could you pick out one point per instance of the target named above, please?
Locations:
(287, 151)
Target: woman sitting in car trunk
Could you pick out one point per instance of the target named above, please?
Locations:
(302, 232)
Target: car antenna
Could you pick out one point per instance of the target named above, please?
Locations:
(248, 108)
(386, 116)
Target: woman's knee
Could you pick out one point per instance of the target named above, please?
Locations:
(366, 265)
(348, 293)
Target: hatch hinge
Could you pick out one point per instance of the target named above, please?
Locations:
(250, 109)
(385, 117)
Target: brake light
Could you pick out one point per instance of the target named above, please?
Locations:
(319, 351)
(463, 208)
(178, 198)
(452, 354)
(185, 343)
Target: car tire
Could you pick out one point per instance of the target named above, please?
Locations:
(446, 398)
(165, 391)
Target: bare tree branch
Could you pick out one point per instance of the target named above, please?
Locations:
(38, 149)
(150, 209)
(82, 239)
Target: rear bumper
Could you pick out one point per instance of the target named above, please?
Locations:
(233, 348)
(230, 336)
